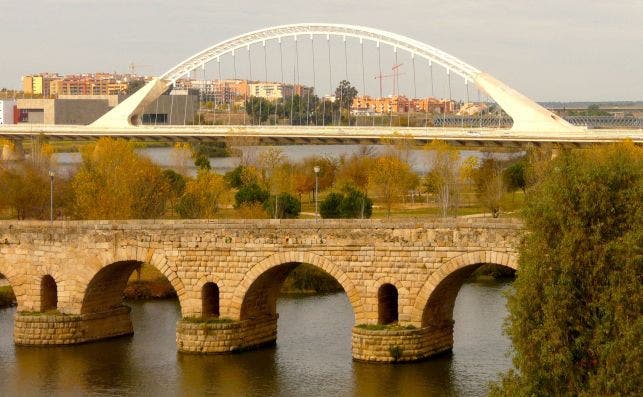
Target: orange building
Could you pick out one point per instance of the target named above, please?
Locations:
(401, 104)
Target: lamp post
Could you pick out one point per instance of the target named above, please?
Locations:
(316, 169)
(51, 195)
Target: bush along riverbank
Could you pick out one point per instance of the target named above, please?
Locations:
(307, 279)
(148, 283)
(7, 297)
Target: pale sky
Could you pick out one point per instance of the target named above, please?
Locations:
(549, 50)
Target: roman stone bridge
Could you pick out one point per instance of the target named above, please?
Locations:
(404, 276)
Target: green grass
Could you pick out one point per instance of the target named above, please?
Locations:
(207, 320)
(387, 327)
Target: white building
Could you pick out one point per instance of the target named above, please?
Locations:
(7, 107)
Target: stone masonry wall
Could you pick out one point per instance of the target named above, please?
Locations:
(86, 258)
(400, 345)
(33, 329)
(195, 337)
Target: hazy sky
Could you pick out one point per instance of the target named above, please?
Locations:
(549, 50)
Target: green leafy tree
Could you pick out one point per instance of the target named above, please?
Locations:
(490, 186)
(350, 204)
(259, 108)
(329, 206)
(202, 162)
(355, 204)
(234, 178)
(514, 176)
(249, 194)
(345, 93)
(286, 206)
(575, 315)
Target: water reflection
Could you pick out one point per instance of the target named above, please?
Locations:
(312, 357)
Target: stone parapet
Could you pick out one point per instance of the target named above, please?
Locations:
(204, 337)
(43, 330)
(401, 345)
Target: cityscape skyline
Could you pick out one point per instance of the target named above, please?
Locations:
(525, 53)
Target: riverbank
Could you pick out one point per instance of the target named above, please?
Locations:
(148, 283)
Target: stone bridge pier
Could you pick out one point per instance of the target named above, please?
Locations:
(401, 277)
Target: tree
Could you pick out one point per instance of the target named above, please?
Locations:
(115, 182)
(177, 183)
(203, 196)
(287, 206)
(329, 206)
(514, 176)
(259, 108)
(490, 185)
(345, 93)
(390, 177)
(249, 194)
(443, 177)
(575, 313)
(25, 191)
(202, 162)
(355, 204)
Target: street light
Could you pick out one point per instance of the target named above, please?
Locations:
(51, 195)
(316, 169)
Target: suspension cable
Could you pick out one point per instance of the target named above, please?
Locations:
(415, 93)
(265, 76)
(299, 86)
(171, 102)
(234, 62)
(348, 105)
(248, 96)
(187, 91)
(379, 62)
(215, 89)
(361, 42)
(292, 96)
(396, 94)
(283, 82)
(330, 80)
(312, 48)
(308, 96)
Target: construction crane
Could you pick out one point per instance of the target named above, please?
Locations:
(133, 66)
(395, 75)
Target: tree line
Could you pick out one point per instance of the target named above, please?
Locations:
(114, 181)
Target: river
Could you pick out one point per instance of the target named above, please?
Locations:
(312, 357)
(166, 156)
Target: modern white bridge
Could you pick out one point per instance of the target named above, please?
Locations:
(533, 125)
(283, 135)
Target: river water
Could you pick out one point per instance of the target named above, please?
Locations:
(312, 357)
(168, 157)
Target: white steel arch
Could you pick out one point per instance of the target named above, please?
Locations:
(415, 47)
(526, 114)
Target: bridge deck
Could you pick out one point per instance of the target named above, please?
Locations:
(470, 137)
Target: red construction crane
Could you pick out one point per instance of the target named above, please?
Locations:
(396, 73)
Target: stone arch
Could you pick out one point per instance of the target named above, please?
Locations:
(48, 293)
(387, 304)
(195, 294)
(103, 290)
(280, 264)
(13, 280)
(437, 296)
